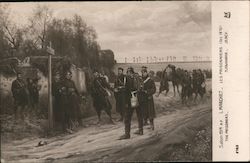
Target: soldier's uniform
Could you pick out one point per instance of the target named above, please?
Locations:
(100, 97)
(20, 95)
(57, 107)
(200, 81)
(146, 101)
(186, 87)
(70, 103)
(131, 86)
(33, 88)
(195, 81)
(119, 93)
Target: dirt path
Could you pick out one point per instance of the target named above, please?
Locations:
(176, 128)
(99, 143)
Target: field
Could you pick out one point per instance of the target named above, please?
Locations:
(160, 66)
(182, 133)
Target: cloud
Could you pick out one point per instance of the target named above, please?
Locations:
(143, 28)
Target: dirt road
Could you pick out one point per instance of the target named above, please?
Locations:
(181, 133)
(99, 143)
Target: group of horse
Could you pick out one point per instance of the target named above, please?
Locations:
(176, 77)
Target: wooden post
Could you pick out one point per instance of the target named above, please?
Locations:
(50, 94)
(50, 107)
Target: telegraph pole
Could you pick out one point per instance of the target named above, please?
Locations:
(50, 52)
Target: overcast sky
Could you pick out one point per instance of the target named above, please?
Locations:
(133, 29)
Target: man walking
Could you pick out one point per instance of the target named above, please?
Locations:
(131, 88)
(146, 101)
(119, 93)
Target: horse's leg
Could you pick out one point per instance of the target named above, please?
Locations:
(182, 95)
(173, 84)
(177, 86)
(195, 98)
(166, 88)
(160, 90)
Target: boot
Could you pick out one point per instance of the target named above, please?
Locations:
(125, 136)
(69, 131)
(139, 132)
(145, 123)
(152, 127)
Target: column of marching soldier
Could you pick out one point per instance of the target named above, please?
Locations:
(131, 91)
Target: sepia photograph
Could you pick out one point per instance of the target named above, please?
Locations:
(106, 81)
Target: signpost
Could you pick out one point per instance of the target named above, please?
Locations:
(50, 51)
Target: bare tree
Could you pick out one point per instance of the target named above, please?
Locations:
(10, 31)
(39, 22)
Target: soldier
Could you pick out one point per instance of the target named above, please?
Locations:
(195, 83)
(70, 102)
(29, 83)
(201, 89)
(20, 95)
(198, 84)
(100, 95)
(144, 68)
(186, 87)
(145, 95)
(104, 76)
(131, 86)
(119, 92)
(56, 92)
(145, 117)
(33, 89)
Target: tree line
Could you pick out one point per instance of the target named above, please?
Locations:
(71, 38)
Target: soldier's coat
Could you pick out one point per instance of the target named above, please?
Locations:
(100, 95)
(70, 99)
(58, 108)
(146, 100)
(19, 92)
(119, 93)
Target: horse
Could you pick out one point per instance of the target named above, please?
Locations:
(170, 74)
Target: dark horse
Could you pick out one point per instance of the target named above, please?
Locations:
(169, 74)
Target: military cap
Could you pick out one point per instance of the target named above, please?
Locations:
(144, 67)
(68, 71)
(18, 72)
(95, 70)
(131, 69)
(119, 68)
